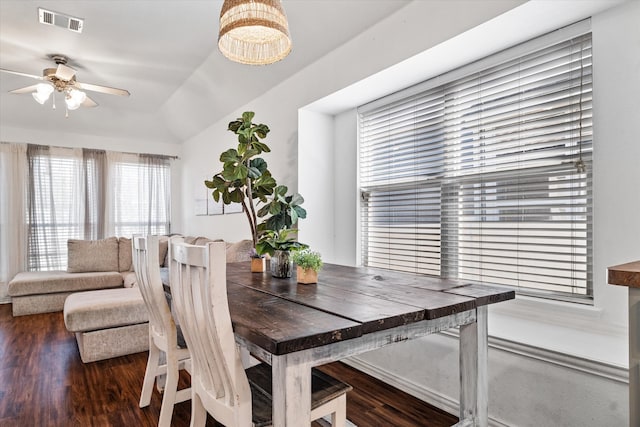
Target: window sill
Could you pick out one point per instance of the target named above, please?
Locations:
(572, 329)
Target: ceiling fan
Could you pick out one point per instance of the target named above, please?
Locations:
(63, 79)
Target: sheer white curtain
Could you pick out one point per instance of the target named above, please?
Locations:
(51, 194)
(56, 204)
(13, 228)
(139, 194)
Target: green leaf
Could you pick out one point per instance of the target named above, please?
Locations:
(262, 130)
(249, 153)
(259, 164)
(245, 132)
(237, 196)
(276, 223)
(231, 155)
(297, 199)
(301, 212)
(260, 146)
(263, 211)
(274, 208)
(241, 171)
(232, 172)
(253, 173)
(234, 125)
(247, 116)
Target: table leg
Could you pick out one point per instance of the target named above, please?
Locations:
(291, 391)
(474, 384)
(634, 356)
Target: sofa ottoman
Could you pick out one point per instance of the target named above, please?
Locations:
(45, 291)
(107, 323)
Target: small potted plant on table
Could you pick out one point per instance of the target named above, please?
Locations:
(279, 244)
(308, 264)
(258, 262)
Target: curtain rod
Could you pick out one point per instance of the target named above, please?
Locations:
(97, 149)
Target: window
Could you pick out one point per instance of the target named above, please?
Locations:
(485, 173)
(91, 194)
(142, 196)
(56, 205)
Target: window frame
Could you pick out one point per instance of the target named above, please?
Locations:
(433, 84)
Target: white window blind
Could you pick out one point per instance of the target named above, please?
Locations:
(480, 176)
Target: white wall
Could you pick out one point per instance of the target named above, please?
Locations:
(551, 364)
(416, 27)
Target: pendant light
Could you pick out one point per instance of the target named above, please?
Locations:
(254, 32)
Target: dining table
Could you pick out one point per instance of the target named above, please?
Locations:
(350, 311)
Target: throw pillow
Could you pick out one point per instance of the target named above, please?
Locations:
(125, 257)
(92, 255)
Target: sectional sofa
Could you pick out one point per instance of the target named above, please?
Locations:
(98, 294)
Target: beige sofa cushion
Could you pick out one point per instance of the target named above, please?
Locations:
(124, 255)
(239, 251)
(163, 243)
(50, 282)
(129, 278)
(107, 308)
(92, 255)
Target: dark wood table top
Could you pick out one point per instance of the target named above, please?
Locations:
(282, 316)
(625, 274)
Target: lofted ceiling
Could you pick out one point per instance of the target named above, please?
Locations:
(165, 53)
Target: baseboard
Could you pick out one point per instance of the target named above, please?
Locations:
(5, 300)
(435, 398)
(420, 391)
(593, 367)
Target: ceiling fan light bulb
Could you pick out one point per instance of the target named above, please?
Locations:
(74, 99)
(44, 89)
(40, 99)
(42, 93)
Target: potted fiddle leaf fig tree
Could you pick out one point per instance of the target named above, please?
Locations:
(246, 179)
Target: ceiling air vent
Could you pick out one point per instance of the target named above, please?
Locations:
(46, 17)
(49, 17)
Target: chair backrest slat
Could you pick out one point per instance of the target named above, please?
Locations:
(199, 293)
(145, 251)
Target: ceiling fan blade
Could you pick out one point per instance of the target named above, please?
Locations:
(88, 102)
(65, 73)
(27, 89)
(17, 73)
(102, 89)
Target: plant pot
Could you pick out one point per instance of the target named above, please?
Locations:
(307, 276)
(258, 265)
(281, 264)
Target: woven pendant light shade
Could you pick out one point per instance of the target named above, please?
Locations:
(254, 32)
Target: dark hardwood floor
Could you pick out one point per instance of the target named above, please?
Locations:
(43, 382)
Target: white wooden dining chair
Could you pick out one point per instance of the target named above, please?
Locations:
(219, 383)
(166, 358)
